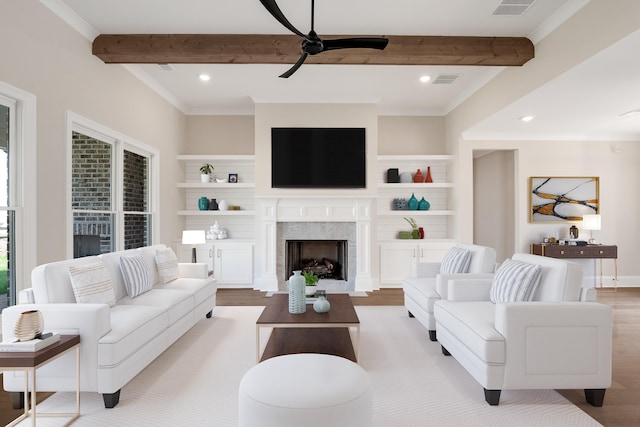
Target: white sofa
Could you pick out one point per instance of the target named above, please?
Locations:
(428, 284)
(116, 342)
(554, 341)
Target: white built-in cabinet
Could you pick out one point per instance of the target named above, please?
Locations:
(397, 255)
(231, 259)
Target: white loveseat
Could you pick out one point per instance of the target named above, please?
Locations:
(556, 340)
(428, 282)
(118, 341)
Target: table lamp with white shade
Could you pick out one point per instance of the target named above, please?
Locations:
(193, 238)
(591, 222)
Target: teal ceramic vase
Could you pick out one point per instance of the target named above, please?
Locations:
(423, 205)
(412, 204)
(203, 203)
(297, 302)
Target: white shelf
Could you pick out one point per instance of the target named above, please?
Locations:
(414, 185)
(216, 185)
(217, 213)
(409, 213)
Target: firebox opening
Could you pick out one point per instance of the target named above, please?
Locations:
(327, 259)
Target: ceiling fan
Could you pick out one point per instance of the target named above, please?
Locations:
(313, 45)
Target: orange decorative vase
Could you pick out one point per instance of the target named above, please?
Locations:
(418, 177)
(428, 179)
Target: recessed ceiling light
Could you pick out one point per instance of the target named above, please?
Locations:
(425, 78)
(527, 118)
(204, 77)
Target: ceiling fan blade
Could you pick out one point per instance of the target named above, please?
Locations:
(275, 11)
(356, 43)
(295, 67)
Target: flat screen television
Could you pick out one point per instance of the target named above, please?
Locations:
(318, 158)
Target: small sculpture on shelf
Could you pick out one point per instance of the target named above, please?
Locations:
(415, 232)
(216, 232)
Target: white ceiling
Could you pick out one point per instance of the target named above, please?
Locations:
(234, 88)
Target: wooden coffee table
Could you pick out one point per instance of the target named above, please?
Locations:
(310, 332)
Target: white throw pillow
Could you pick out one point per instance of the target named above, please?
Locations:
(92, 284)
(456, 261)
(137, 279)
(167, 264)
(515, 281)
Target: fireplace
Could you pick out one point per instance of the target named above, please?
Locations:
(327, 259)
(282, 218)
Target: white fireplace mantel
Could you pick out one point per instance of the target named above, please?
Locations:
(270, 210)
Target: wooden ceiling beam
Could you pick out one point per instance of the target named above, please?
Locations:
(285, 49)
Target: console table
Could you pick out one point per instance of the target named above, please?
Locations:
(599, 252)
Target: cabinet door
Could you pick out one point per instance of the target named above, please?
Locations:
(395, 262)
(233, 264)
(433, 251)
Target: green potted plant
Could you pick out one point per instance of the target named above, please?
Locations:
(415, 232)
(311, 281)
(205, 172)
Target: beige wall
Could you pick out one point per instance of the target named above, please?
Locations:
(220, 135)
(42, 55)
(493, 202)
(411, 135)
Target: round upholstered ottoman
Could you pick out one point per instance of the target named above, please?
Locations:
(306, 390)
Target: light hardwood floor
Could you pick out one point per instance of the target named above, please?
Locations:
(621, 405)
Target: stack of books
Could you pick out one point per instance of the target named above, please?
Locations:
(36, 344)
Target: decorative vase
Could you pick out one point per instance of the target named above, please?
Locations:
(412, 204)
(29, 325)
(418, 177)
(415, 233)
(421, 232)
(310, 290)
(213, 205)
(423, 205)
(203, 203)
(321, 305)
(428, 178)
(297, 303)
(573, 232)
(399, 204)
(223, 205)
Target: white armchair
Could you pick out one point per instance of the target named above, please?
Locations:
(428, 282)
(553, 341)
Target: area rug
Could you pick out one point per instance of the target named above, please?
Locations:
(195, 382)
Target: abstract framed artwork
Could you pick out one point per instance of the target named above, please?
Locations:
(559, 198)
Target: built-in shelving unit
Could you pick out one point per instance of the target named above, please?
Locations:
(437, 193)
(239, 223)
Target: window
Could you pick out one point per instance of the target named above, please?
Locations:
(110, 191)
(18, 244)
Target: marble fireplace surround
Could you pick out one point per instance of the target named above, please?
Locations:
(336, 218)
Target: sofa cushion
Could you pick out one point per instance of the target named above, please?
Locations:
(167, 264)
(456, 261)
(92, 284)
(473, 323)
(515, 281)
(136, 277)
(201, 289)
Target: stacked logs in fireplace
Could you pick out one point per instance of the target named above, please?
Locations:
(324, 268)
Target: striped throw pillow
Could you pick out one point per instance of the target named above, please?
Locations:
(456, 261)
(515, 281)
(92, 284)
(137, 279)
(167, 264)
